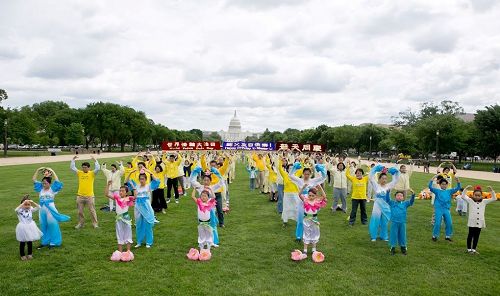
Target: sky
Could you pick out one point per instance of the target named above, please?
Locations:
(281, 64)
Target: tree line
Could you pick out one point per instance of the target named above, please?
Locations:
(433, 128)
(55, 123)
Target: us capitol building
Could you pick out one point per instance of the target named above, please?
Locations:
(234, 132)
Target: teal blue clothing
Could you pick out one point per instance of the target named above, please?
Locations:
(398, 208)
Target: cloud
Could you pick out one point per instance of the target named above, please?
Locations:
(281, 64)
(262, 4)
(315, 78)
(9, 52)
(437, 40)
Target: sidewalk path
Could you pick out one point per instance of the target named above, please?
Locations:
(490, 176)
(58, 158)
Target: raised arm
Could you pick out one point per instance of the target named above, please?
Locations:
(457, 188)
(37, 171)
(412, 198)
(395, 177)
(431, 188)
(493, 196)
(97, 167)
(72, 165)
(193, 195)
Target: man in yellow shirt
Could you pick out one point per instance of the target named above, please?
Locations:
(172, 172)
(259, 164)
(85, 195)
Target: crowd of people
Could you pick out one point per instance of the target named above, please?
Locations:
(296, 181)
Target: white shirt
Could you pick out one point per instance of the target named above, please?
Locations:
(477, 209)
(339, 179)
(24, 215)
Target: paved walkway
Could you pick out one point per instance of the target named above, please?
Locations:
(58, 158)
(490, 176)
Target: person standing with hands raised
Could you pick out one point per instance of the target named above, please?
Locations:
(85, 195)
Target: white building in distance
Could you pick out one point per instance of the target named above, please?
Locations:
(234, 132)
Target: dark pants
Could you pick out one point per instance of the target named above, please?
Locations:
(218, 206)
(473, 237)
(21, 248)
(158, 202)
(329, 176)
(172, 183)
(354, 209)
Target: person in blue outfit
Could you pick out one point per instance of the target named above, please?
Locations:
(143, 212)
(398, 219)
(442, 203)
(48, 214)
(381, 212)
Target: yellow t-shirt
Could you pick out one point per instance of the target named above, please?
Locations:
(358, 186)
(86, 183)
(160, 176)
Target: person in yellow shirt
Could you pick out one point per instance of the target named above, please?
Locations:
(223, 166)
(158, 202)
(358, 197)
(290, 195)
(259, 164)
(85, 195)
(273, 177)
(172, 173)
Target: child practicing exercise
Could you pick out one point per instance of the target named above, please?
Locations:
(253, 175)
(476, 215)
(442, 203)
(26, 229)
(205, 203)
(398, 219)
(314, 200)
(123, 221)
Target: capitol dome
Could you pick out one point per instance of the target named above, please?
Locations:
(234, 132)
(235, 124)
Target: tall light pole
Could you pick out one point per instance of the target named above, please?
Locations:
(437, 146)
(370, 148)
(5, 137)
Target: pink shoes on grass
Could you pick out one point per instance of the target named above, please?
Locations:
(195, 255)
(317, 257)
(122, 256)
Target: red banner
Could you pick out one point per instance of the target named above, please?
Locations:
(301, 147)
(178, 145)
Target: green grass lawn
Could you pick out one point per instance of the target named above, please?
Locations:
(254, 254)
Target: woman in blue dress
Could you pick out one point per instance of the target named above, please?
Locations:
(49, 216)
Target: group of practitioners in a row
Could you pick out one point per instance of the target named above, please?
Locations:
(298, 181)
(141, 184)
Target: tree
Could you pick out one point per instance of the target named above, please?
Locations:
(403, 141)
(3, 95)
(213, 136)
(74, 134)
(365, 132)
(488, 128)
(22, 127)
(409, 118)
(346, 137)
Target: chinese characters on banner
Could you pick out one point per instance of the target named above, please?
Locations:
(178, 145)
(301, 147)
(266, 146)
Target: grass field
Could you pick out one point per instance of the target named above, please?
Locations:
(254, 254)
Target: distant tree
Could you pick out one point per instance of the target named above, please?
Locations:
(488, 128)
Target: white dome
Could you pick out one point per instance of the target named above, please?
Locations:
(234, 124)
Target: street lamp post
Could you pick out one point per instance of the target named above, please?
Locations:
(5, 137)
(370, 148)
(437, 146)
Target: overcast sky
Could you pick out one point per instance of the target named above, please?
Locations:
(288, 63)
